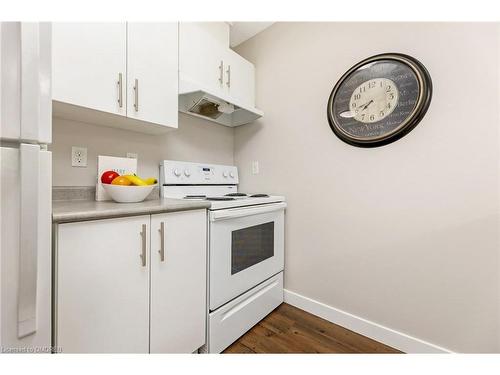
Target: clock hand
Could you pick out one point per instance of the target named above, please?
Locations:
(366, 105)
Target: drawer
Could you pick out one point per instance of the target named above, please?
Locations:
(232, 320)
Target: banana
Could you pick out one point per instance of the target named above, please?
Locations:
(135, 180)
(151, 181)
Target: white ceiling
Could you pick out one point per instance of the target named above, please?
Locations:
(241, 31)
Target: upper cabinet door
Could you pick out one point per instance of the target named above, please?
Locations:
(201, 55)
(239, 78)
(178, 281)
(89, 62)
(152, 72)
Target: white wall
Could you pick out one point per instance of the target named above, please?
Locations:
(404, 235)
(195, 140)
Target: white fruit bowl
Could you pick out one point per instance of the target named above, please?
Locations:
(128, 194)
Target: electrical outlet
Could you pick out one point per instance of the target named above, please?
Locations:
(78, 156)
(132, 155)
(255, 167)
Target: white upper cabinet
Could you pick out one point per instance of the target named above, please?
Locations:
(239, 78)
(207, 62)
(201, 55)
(124, 69)
(152, 72)
(88, 60)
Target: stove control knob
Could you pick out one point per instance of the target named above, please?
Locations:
(177, 172)
(187, 172)
(231, 174)
(224, 174)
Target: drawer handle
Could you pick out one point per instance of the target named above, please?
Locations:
(162, 241)
(120, 94)
(221, 72)
(143, 252)
(228, 71)
(136, 95)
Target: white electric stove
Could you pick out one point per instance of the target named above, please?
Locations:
(245, 247)
(215, 183)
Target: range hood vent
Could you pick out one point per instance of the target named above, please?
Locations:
(207, 108)
(225, 111)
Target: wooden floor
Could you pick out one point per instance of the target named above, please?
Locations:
(291, 330)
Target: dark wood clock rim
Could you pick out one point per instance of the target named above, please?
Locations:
(423, 101)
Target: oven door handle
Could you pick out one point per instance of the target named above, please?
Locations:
(239, 212)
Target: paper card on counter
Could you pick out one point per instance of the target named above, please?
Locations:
(112, 163)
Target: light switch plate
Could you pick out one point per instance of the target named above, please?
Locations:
(78, 156)
(132, 155)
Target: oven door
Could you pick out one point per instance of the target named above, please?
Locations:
(246, 248)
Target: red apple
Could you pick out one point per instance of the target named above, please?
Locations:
(108, 176)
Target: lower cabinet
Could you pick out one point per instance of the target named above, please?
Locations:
(131, 285)
(178, 282)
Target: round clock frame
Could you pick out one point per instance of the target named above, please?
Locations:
(398, 128)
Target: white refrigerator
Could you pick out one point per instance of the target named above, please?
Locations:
(25, 189)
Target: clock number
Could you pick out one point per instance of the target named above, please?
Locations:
(373, 100)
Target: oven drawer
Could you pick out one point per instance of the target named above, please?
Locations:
(232, 320)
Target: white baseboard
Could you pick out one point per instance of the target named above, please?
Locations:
(385, 335)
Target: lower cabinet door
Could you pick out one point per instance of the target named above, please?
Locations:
(102, 277)
(178, 282)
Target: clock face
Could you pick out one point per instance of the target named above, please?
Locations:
(379, 100)
(374, 100)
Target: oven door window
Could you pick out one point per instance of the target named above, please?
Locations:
(251, 245)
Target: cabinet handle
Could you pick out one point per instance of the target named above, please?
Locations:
(143, 252)
(228, 71)
(120, 95)
(221, 72)
(162, 241)
(136, 95)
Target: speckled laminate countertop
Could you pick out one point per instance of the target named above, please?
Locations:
(83, 210)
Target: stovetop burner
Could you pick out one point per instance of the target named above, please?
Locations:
(227, 197)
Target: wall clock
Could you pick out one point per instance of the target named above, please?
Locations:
(379, 100)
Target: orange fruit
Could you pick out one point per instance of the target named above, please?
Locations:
(121, 180)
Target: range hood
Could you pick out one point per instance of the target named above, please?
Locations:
(198, 101)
